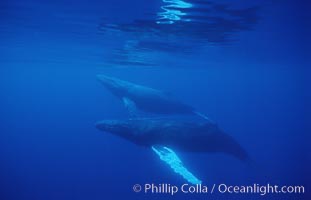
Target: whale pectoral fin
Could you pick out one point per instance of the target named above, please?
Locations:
(130, 106)
(203, 116)
(170, 157)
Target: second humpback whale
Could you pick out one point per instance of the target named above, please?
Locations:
(145, 98)
(165, 135)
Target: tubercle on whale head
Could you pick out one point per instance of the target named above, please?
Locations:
(117, 128)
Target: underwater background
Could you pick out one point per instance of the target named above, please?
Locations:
(244, 64)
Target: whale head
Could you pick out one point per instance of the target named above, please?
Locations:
(114, 85)
(116, 127)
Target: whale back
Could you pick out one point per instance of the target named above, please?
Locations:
(190, 137)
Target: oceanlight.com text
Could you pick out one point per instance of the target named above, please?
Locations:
(259, 189)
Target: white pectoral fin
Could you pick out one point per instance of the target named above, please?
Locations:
(203, 116)
(170, 157)
(130, 106)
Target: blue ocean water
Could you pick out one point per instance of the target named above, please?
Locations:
(244, 64)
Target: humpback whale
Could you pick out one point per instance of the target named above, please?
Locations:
(162, 136)
(147, 99)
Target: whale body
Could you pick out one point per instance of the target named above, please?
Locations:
(166, 136)
(144, 98)
(177, 135)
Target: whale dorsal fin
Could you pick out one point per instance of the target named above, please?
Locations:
(170, 157)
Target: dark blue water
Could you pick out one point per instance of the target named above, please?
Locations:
(246, 65)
